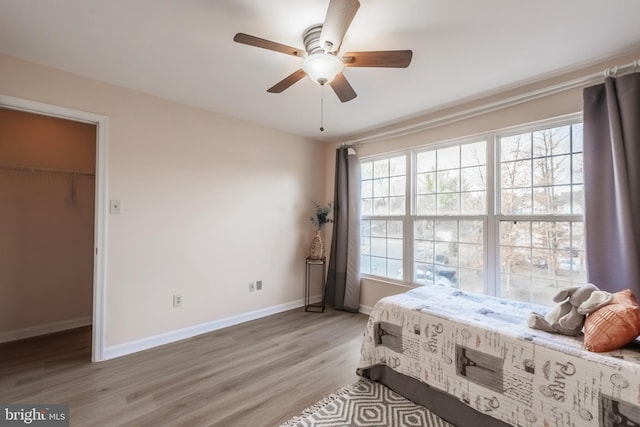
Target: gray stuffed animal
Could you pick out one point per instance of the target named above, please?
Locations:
(567, 317)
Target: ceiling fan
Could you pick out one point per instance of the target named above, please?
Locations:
(322, 43)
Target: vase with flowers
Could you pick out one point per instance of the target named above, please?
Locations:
(321, 217)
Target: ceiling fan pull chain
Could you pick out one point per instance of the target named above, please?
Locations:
(321, 108)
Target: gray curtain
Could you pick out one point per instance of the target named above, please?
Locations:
(612, 183)
(343, 277)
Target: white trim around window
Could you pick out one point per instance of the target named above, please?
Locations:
(443, 253)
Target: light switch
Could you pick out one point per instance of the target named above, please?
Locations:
(115, 206)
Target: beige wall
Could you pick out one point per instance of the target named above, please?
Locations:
(546, 107)
(46, 223)
(209, 204)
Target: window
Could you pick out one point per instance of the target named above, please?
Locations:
(450, 207)
(502, 214)
(541, 212)
(383, 209)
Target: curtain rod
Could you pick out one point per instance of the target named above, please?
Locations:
(497, 105)
(45, 170)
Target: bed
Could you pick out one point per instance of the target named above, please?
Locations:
(473, 361)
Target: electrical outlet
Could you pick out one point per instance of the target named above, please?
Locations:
(177, 300)
(259, 285)
(252, 286)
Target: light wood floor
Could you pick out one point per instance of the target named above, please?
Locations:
(260, 373)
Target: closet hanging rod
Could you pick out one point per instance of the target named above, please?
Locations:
(46, 170)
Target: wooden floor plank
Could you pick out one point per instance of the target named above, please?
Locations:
(259, 373)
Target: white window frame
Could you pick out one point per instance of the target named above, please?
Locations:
(401, 218)
(491, 219)
(494, 286)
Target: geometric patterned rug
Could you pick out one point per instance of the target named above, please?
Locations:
(366, 403)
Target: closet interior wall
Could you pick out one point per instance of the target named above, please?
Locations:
(47, 203)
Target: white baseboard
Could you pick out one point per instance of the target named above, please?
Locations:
(192, 331)
(365, 309)
(49, 328)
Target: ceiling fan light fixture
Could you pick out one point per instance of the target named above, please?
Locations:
(322, 68)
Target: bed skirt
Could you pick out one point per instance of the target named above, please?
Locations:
(442, 404)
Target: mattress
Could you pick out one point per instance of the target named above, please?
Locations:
(472, 360)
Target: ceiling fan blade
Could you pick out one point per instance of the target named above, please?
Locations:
(267, 44)
(287, 81)
(342, 88)
(340, 13)
(379, 58)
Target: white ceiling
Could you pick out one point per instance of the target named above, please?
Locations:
(183, 50)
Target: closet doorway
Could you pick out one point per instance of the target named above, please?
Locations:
(49, 188)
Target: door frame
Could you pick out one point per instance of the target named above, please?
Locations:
(100, 221)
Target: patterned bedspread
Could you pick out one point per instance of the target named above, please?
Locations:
(479, 349)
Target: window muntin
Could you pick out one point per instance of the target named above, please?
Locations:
(531, 244)
(451, 181)
(541, 172)
(383, 187)
(381, 251)
(449, 252)
(537, 258)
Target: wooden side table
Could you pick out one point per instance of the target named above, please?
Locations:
(314, 264)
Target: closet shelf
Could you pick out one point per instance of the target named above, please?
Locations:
(45, 170)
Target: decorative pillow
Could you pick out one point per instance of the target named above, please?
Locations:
(614, 325)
